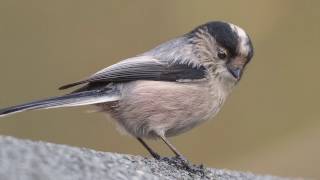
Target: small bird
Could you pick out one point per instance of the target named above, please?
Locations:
(165, 91)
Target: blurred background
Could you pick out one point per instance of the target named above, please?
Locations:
(270, 124)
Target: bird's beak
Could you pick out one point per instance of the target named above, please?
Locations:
(236, 72)
(235, 67)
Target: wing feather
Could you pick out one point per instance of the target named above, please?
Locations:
(143, 68)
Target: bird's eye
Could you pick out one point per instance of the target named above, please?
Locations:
(222, 54)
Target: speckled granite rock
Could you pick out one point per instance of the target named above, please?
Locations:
(28, 160)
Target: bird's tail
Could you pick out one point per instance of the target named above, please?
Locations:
(69, 100)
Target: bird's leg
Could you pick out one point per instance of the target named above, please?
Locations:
(180, 161)
(173, 149)
(153, 153)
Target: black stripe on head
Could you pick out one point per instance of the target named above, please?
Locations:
(223, 34)
(251, 51)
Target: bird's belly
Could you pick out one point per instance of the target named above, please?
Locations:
(152, 107)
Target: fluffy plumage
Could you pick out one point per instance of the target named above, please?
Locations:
(167, 90)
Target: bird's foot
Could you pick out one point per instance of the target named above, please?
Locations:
(182, 163)
(156, 156)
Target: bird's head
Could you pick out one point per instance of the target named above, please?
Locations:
(223, 47)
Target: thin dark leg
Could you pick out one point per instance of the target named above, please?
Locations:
(173, 149)
(153, 153)
(180, 161)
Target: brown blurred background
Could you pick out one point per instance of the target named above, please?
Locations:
(270, 124)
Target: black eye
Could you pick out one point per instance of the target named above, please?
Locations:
(222, 55)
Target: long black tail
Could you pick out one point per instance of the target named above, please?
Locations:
(69, 100)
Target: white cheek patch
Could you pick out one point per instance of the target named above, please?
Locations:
(243, 45)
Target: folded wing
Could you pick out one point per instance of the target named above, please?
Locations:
(144, 68)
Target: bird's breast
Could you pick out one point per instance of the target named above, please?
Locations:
(165, 107)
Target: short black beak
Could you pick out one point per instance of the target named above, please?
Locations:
(236, 72)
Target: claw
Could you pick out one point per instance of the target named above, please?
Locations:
(182, 159)
(156, 156)
(181, 162)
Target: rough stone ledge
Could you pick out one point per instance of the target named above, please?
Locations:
(29, 160)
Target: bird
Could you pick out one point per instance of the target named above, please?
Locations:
(167, 90)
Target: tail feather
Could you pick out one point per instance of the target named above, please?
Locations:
(69, 100)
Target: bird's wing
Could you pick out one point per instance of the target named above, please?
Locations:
(144, 68)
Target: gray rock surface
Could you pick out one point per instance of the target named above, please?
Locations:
(28, 160)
